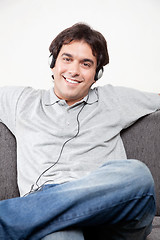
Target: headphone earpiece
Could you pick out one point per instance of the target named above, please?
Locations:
(99, 74)
(51, 61)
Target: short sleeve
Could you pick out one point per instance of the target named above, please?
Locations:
(9, 97)
(134, 104)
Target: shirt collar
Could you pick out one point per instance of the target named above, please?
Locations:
(50, 98)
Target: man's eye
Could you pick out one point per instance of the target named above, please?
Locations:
(66, 59)
(86, 64)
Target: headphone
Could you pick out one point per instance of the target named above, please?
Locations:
(52, 62)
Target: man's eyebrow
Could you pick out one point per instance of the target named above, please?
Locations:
(67, 54)
(88, 60)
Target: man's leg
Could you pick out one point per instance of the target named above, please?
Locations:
(117, 193)
(118, 232)
(65, 235)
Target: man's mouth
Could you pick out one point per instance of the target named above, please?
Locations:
(71, 80)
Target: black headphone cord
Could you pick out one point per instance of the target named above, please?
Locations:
(41, 186)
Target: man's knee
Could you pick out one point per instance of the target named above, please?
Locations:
(131, 178)
(141, 175)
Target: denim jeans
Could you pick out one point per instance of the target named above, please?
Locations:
(65, 235)
(117, 196)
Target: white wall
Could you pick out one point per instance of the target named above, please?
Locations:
(131, 27)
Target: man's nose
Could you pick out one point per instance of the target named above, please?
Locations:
(74, 69)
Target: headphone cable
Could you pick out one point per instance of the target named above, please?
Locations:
(78, 129)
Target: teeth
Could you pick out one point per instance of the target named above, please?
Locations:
(71, 81)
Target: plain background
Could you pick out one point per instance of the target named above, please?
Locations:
(131, 28)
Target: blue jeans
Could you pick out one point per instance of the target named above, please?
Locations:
(76, 234)
(119, 196)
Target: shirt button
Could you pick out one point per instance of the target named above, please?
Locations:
(67, 123)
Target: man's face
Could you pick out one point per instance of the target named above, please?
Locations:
(74, 71)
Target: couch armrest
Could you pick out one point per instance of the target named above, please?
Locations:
(8, 164)
(142, 142)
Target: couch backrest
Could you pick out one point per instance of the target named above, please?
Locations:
(141, 141)
(8, 166)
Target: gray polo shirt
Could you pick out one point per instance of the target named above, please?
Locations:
(69, 141)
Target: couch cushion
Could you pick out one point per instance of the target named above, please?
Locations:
(155, 234)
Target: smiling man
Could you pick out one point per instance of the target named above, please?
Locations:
(74, 71)
(74, 178)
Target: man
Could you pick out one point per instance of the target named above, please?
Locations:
(73, 174)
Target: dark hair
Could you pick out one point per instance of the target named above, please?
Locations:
(83, 32)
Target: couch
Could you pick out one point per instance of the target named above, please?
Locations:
(141, 141)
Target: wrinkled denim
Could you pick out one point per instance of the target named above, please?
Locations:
(119, 195)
